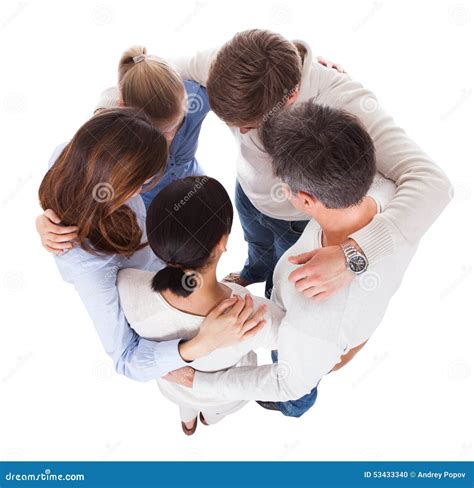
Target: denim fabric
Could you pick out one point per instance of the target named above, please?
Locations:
(267, 238)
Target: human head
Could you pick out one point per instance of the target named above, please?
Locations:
(253, 74)
(149, 83)
(188, 223)
(108, 160)
(323, 154)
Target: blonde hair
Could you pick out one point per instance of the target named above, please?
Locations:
(149, 83)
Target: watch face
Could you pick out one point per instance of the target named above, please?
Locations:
(357, 263)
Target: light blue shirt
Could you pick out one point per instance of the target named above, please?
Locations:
(94, 277)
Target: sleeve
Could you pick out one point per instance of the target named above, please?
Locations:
(133, 356)
(302, 361)
(423, 190)
(195, 68)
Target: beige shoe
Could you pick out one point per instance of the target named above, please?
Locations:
(235, 278)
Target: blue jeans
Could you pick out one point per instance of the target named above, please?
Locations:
(267, 238)
(292, 408)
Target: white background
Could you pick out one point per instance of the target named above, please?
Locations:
(407, 396)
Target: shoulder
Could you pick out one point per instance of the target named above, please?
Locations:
(56, 153)
(135, 292)
(382, 191)
(198, 102)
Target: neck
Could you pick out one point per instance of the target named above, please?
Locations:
(204, 298)
(339, 224)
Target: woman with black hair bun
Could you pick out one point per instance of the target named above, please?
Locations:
(188, 225)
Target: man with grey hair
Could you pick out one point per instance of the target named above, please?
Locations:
(326, 159)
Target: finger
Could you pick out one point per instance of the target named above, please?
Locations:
(235, 310)
(61, 237)
(247, 310)
(255, 330)
(303, 273)
(301, 258)
(313, 291)
(257, 317)
(58, 246)
(52, 250)
(51, 215)
(221, 307)
(60, 230)
(320, 297)
(309, 282)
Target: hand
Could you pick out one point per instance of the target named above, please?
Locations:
(230, 322)
(182, 376)
(330, 64)
(323, 272)
(55, 237)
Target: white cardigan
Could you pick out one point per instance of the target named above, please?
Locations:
(152, 317)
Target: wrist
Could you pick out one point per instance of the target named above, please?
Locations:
(192, 349)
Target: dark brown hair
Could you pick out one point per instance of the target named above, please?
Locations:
(184, 224)
(149, 83)
(108, 160)
(253, 73)
(321, 151)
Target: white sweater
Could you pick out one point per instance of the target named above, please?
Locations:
(422, 188)
(152, 317)
(314, 335)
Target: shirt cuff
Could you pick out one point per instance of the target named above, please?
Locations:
(375, 239)
(167, 357)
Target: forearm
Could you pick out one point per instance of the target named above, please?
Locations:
(195, 67)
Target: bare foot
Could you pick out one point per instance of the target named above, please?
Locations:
(235, 278)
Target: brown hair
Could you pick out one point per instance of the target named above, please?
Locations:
(251, 74)
(108, 160)
(149, 83)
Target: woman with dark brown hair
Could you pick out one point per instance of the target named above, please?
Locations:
(94, 183)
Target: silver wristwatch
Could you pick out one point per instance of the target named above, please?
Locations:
(355, 261)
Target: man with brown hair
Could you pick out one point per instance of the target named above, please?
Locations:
(251, 78)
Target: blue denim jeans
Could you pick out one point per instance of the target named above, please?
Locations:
(292, 408)
(267, 238)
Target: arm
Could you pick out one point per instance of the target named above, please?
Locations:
(423, 191)
(133, 356)
(195, 67)
(303, 360)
